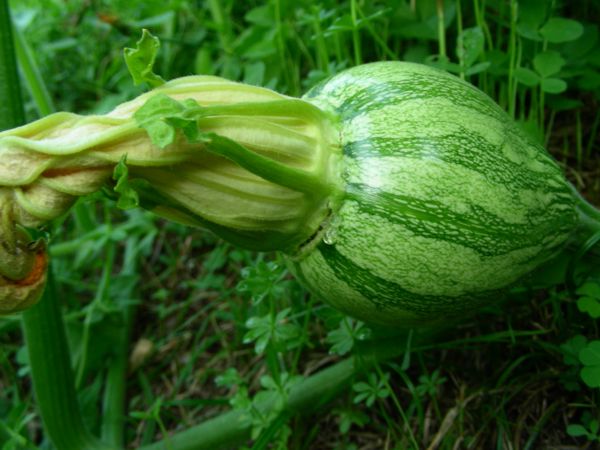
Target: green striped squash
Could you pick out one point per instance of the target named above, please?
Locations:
(446, 201)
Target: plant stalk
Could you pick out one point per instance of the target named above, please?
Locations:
(34, 81)
(11, 103)
(52, 375)
(49, 357)
(114, 402)
(231, 430)
(589, 216)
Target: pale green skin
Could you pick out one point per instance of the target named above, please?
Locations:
(447, 202)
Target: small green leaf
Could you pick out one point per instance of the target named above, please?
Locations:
(529, 31)
(158, 106)
(260, 331)
(262, 15)
(589, 305)
(527, 77)
(590, 288)
(469, 46)
(263, 280)
(140, 60)
(188, 127)
(371, 390)
(343, 338)
(241, 400)
(128, 197)
(229, 378)
(267, 382)
(553, 85)
(559, 29)
(161, 116)
(349, 417)
(152, 117)
(276, 330)
(571, 349)
(161, 134)
(533, 12)
(576, 430)
(548, 63)
(591, 376)
(428, 384)
(478, 68)
(589, 356)
(594, 425)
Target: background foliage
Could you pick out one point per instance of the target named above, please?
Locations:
(215, 325)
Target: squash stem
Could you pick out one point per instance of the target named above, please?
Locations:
(590, 215)
(589, 221)
(230, 430)
(52, 376)
(114, 401)
(11, 105)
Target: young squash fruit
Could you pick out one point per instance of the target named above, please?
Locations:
(446, 201)
(399, 193)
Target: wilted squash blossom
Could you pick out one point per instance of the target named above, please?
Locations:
(22, 273)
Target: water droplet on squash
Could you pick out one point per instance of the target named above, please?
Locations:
(330, 235)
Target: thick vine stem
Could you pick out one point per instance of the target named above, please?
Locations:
(589, 223)
(52, 376)
(11, 104)
(264, 179)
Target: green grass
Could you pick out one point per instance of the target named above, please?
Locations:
(203, 327)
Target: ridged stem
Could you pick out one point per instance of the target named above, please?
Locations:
(113, 411)
(114, 402)
(230, 430)
(52, 376)
(589, 222)
(11, 104)
(585, 242)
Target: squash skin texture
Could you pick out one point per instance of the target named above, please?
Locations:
(446, 201)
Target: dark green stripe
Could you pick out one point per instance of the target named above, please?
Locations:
(466, 149)
(479, 230)
(419, 87)
(386, 295)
